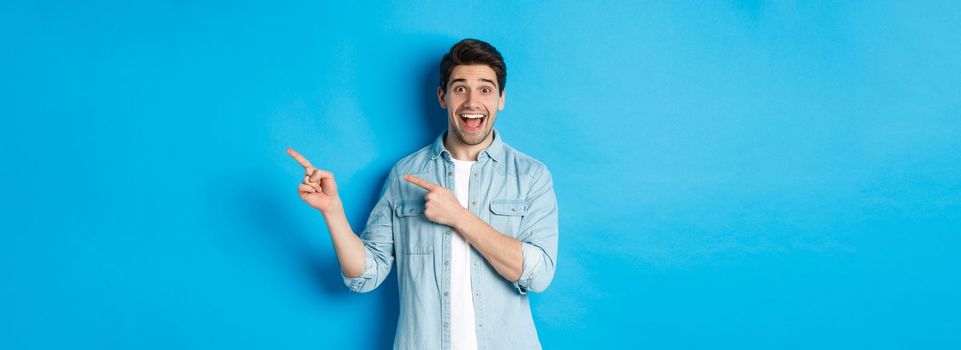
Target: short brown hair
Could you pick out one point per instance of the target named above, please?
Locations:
(473, 51)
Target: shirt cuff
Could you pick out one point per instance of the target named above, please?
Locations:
(533, 258)
(370, 271)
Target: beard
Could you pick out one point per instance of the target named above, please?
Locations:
(472, 140)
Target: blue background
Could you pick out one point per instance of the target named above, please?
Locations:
(730, 174)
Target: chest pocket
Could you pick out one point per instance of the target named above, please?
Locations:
(506, 215)
(415, 232)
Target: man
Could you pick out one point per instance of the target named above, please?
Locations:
(470, 222)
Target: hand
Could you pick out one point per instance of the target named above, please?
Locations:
(440, 205)
(318, 189)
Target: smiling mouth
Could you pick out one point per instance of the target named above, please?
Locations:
(473, 121)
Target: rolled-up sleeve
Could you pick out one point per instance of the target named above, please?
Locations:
(378, 241)
(538, 235)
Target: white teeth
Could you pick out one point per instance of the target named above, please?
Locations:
(472, 116)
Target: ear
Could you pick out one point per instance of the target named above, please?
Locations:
(500, 106)
(440, 98)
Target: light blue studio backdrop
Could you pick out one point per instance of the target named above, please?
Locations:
(730, 174)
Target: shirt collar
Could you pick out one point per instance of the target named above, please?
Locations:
(495, 151)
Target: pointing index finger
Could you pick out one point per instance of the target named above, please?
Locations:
(299, 158)
(420, 182)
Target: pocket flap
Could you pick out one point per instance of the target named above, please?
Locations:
(509, 207)
(410, 208)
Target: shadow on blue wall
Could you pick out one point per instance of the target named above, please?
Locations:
(435, 118)
(267, 212)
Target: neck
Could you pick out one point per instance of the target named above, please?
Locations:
(462, 151)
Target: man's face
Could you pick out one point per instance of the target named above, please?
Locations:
(472, 100)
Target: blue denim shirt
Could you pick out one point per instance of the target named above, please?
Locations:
(510, 191)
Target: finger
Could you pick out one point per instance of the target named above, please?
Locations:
(315, 185)
(328, 184)
(299, 158)
(420, 182)
(310, 182)
(320, 174)
(306, 188)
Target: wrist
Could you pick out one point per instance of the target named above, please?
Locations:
(336, 208)
(463, 220)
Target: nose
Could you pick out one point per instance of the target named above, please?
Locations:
(471, 100)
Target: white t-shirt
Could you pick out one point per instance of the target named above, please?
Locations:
(462, 333)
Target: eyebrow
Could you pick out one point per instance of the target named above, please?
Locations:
(462, 80)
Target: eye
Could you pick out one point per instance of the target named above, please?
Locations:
(486, 90)
(460, 89)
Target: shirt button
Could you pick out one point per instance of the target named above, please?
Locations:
(474, 202)
(450, 173)
(445, 262)
(445, 324)
(445, 293)
(480, 325)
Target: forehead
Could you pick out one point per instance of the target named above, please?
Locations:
(473, 73)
